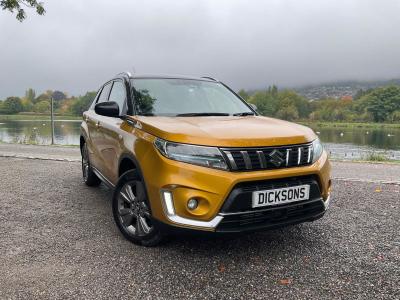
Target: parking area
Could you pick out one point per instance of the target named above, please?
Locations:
(58, 240)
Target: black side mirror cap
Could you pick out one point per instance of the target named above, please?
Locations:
(107, 109)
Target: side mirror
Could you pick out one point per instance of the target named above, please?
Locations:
(108, 109)
(253, 106)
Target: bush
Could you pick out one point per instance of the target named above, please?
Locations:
(42, 107)
(12, 105)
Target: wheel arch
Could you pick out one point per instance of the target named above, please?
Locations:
(128, 161)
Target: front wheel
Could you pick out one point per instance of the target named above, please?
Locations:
(131, 211)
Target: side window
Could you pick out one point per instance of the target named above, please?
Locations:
(118, 95)
(104, 93)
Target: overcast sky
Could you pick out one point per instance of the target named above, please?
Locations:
(78, 45)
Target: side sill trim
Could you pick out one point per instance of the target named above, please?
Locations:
(103, 178)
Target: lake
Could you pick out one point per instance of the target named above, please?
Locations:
(346, 143)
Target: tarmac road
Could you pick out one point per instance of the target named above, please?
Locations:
(58, 240)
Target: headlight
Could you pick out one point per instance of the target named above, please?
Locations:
(317, 149)
(198, 155)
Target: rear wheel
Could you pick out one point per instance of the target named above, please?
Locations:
(132, 213)
(89, 177)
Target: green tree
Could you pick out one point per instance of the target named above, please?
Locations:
(82, 103)
(381, 102)
(245, 95)
(288, 98)
(16, 6)
(27, 104)
(266, 101)
(395, 117)
(288, 113)
(42, 107)
(12, 105)
(30, 94)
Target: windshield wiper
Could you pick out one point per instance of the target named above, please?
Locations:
(203, 114)
(242, 114)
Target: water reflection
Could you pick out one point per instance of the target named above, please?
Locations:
(377, 138)
(39, 132)
(67, 133)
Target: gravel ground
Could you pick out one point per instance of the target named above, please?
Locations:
(58, 240)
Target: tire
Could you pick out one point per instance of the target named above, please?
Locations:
(89, 177)
(132, 212)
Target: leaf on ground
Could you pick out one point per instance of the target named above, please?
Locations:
(221, 268)
(285, 281)
(378, 190)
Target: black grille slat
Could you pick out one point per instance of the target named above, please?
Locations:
(272, 157)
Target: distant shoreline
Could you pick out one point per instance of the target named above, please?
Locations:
(371, 125)
(37, 117)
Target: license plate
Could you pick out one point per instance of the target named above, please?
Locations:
(281, 196)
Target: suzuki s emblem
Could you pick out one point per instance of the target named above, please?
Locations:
(276, 158)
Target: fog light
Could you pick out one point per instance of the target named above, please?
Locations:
(192, 204)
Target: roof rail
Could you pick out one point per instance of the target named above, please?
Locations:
(208, 77)
(126, 73)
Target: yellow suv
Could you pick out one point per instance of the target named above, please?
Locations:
(188, 154)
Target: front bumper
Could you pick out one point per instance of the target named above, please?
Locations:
(213, 187)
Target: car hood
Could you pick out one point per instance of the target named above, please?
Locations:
(249, 131)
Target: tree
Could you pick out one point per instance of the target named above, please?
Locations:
(82, 103)
(42, 107)
(12, 105)
(288, 113)
(43, 97)
(395, 117)
(30, 94)
(245, 95)
(381, 102)
(27, 104)
(16, 6)
(58, 96)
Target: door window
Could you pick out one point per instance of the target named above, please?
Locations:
(118, 95)
(104, 93)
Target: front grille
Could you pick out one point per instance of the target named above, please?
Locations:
(268, 157)
(273, 217)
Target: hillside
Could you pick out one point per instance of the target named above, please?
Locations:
(341, 88)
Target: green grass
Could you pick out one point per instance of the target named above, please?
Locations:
(20, 117)
(369, 159)
(351, 125)
(376, 157)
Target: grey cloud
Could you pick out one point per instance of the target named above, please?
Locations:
(248, 44)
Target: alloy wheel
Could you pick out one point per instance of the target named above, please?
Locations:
(133, 212)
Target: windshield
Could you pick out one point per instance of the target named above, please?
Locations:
(185, 97)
